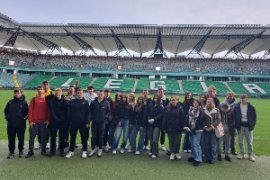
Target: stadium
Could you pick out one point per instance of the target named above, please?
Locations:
(128, 58)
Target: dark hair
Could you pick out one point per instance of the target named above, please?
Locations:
(138, 105)
(16, 90)
(107, 90)
(90, 87)
(78, 89)
(101, 91)
(45, 82)
(157, 96)
(39, 87)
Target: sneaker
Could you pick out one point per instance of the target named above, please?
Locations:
(190, 159)
(93, 152)
(196, 163)
(251, 158)
(130, 151)
(185, 151)
(69, 154)
(154, 156)
(84, 154)
(106, 148)
(122, 151)
(240, 157)
(20, 154)
(114, 152)
(163, 148)
(233, 152)
(227, 158)
(172, 156)
(219, 158)
(37, 146)
(138, 152)
(188, 151)
(150, 154)
(99, 152)
(10, 155)
(178, 156)
(47, 146)
(29, 154)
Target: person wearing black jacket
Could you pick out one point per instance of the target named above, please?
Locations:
(154, 124)
(16, 112)
(188, 102)
(194, 125)
(173, 124)
(137, 124)
(58, 120)
(78, 117)
(165, 101)
(123, 114)
(244, 115)
(149, 104)
(99, 114)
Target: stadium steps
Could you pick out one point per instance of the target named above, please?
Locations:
(15, 81)
(226, 84)
(93, 81)
(180, 86)
(135, 85)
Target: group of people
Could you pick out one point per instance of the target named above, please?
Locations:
(143, 122)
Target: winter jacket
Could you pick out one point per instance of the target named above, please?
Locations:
(251, 117)
(173, 119)
(156, 114)
(139, 117)
(198, 121)
(99, 111)
(16, 111)
(123, 111)
(212, 118)
(78, 111)
(58, 109)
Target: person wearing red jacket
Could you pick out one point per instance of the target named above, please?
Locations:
(38, 120)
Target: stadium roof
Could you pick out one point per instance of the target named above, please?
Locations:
(248, 39)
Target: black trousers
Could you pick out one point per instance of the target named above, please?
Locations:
(74, 127)
(60, 127)
(106, 134)
(174, 142)
(12, 132)
(97, 135)
(162, 138)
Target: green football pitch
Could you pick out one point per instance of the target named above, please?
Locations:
(130, 166)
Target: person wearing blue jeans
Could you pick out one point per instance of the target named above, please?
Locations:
(212, 119)
(137, 124)
(123, 114)
(194, 125)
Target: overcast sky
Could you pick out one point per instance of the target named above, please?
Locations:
(139, 11)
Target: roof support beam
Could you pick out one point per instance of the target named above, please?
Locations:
(140, 46)
(84, 45)
(159, 47)
(242, 45)
(198, 47)
(50, 45)
(178, 45)
(119, 44)
(12, 39)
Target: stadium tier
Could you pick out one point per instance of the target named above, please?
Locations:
(172, 86)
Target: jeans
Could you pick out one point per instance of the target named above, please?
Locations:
(174, 142)
(74, 127)
(111, 135)
(187, 144)
(12, 131)
(210, 145)
(244, 132)
(153, 135)
(226, 139)
(123, 127)
(41, 129)
(133, 138)
(196, 149)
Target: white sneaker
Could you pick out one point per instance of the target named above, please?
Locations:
(154, 156)
(47, 146)
(240, 157)
(251, 158)
(100, 152)
(114, 152)
(84, 154)
(163, 148)
(189, 151)
(185, 151)
(106, 148)
(93, 151)
(149, 154)
(122, 151)
(138, 152)
(69, 154)
(172, 156)
(178, 156)
(130, 151)
(37, 146)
